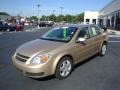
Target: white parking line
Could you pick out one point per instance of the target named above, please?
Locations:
(12, 32)
(114, 41)
(113, 36)
(30, 30)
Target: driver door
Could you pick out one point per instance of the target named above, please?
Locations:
(85, 49)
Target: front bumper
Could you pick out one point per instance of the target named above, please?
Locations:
(34, 71)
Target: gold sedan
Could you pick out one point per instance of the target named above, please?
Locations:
(58, 50)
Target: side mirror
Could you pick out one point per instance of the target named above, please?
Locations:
(81, 40)
(105, 29)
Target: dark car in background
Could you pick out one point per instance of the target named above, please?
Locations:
(46, 23)
(6, 27)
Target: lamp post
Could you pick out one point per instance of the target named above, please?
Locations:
(61, 12)
(38, 15)
(53, 14)
(61, 9)
(72, 16)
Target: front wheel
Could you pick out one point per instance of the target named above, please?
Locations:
(103, 50)
(8, 29)
(64, 68)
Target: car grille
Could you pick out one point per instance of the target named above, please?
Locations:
(21, 58)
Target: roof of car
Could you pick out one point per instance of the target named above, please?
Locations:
(77, 25)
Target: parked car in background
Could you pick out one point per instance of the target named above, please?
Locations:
(43, 24)
(28, 23)
(6, 27)
(46, 23)
(57, 51)
(19, 27)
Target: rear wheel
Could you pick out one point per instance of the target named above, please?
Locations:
(103, 50)
(64, 68)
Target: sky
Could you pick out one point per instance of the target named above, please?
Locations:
(29, 7)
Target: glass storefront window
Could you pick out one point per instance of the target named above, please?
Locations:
(117, 21)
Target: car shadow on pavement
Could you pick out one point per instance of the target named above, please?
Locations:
(44, 78)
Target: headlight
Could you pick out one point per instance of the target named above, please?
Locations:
(39, 59)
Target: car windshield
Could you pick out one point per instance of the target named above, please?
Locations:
(63, 34)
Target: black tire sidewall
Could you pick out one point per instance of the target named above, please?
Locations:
(57, 72)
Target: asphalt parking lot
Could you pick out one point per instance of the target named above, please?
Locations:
(97, 73)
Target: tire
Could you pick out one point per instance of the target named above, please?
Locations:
(64, 68)
(8, 30)
(103, 50)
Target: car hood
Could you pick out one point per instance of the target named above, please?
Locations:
(38, 46)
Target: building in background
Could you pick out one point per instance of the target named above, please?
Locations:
(91, 17)
(109, 16)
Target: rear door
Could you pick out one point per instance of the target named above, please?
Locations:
(97, 37)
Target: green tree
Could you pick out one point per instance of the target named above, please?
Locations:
(60, 18)
(4, 13)
(52, 17)
(68, 18)
(80, 17)
(33, 18)
(43, 18)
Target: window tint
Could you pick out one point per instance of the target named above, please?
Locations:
(90, 32)
(98, 30)
(83, 33)
(94, 31)
(64, 34)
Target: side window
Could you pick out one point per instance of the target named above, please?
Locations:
(90, 32)
(98, 30)
(94, 31)
(83, 33)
